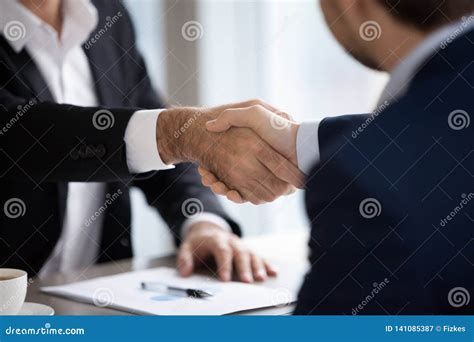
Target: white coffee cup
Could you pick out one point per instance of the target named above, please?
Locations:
(13, 284)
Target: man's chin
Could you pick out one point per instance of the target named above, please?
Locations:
(366, 61)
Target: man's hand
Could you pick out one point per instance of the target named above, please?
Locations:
(278, 130)
(238, 157)
(205, 241)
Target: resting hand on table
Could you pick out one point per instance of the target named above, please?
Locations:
(206, 240)
(275, 128)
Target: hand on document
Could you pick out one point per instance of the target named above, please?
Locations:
(205, 241)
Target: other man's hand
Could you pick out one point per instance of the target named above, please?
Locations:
(278, 130)
(206, 241)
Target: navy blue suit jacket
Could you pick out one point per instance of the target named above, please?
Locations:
(391, 203)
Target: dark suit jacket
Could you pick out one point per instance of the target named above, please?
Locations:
(392, 207)
(50, 144)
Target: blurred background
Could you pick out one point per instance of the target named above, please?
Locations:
(210, 52)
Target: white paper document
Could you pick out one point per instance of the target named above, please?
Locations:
(124, 292)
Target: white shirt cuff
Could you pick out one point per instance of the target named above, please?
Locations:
(307, 145)
(140, 141)
(204, 217)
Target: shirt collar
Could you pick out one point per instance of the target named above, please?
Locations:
(404, 72)
(19, 26)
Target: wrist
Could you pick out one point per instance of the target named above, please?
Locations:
(178, 134)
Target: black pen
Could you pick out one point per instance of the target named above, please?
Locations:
(158, 287)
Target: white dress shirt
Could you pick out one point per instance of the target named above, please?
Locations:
(65, 68)
(307, 142)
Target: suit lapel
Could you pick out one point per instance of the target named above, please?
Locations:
(27, 73)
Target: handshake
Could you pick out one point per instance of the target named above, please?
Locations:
(245, 151)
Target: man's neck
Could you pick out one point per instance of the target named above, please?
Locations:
(396, 46)
(47, 10)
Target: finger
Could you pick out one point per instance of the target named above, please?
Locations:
(284, 115)
(243, 265)
(185, 262)
(219, 188)
(235, 196)
(206, 181)
(223, 255)
(207, 174)
(271, 271)
(258, 268)
(282, 167)
(250, 117)
(254, 102)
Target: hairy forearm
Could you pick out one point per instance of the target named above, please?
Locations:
(182, 136)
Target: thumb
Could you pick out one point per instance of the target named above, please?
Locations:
(185, 260)
(241, 117)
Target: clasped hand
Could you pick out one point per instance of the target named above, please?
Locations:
(246, 150)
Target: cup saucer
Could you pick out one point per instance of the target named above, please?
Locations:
(35, 309)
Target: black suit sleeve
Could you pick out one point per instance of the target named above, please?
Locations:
(47, 141)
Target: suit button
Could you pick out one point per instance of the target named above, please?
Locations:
(82, 152)
(100, 151)
(74, 154)
(89, 151)
(124, 242)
